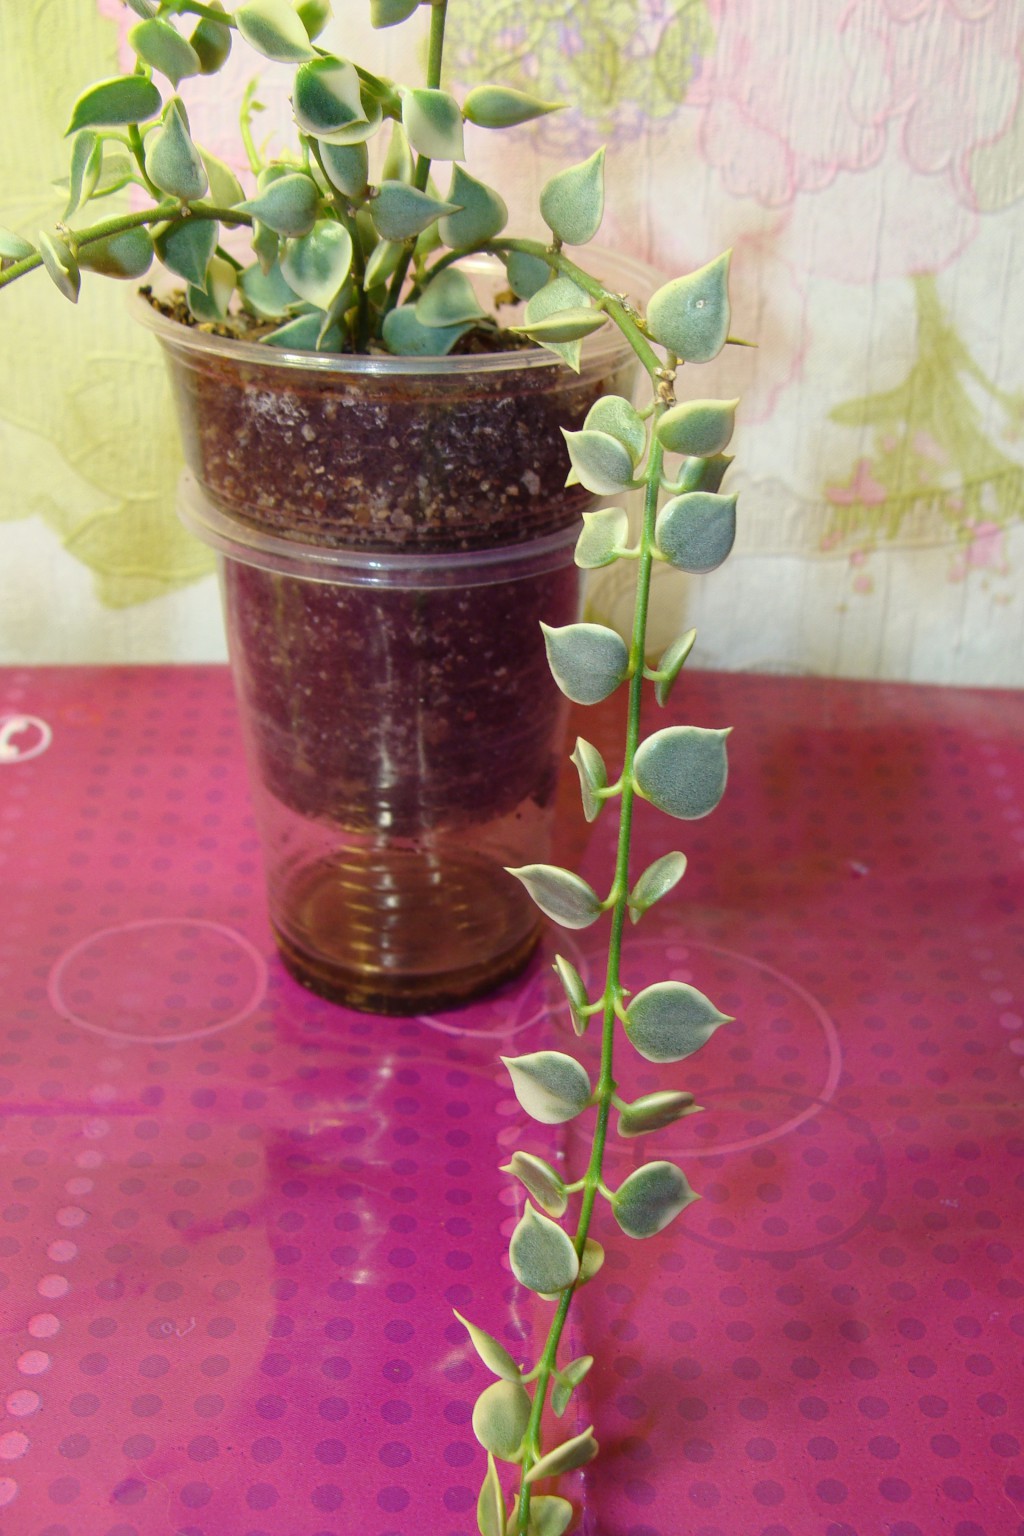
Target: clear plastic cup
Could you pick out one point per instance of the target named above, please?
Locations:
(404, 738)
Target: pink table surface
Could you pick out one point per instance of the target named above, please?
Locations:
(235, 1219)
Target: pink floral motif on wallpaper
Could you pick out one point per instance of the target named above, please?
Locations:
(794, 95)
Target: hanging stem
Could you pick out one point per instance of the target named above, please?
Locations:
(421, 174)
(593, 1181)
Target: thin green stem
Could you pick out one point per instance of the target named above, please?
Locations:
(593, 1182)
(194, 8)
(138, 150)
(559, 262)
(163, 213)
(252, 154)
(346, 217)
(421, 173)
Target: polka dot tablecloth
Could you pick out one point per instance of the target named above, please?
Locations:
(234, 1219)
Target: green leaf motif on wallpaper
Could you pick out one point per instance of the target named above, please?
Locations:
(70, 447)
(618, 74)
(927, 469)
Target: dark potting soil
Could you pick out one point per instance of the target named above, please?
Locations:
(426, 461)
(395, 709)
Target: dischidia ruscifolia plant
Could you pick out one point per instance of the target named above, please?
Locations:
(354, 250)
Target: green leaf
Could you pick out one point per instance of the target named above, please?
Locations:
(494, 1355)
(527, 274)
(212, 305)
(317, 265)
(690, 315)
(559, 293)
(671, 1020)
(604, 538)
(671, 664)
(398, 162)
(592, 1261)
(500, 1416)
(172, 160)
(225, 187)
(655, 1111)
(614, 414)
(388, 13)
(115, 103)
(449, 300)
(288, 206)
(549, 1516)
(116, 172)
(433, 124)
(268, 294)
(698, 427)
(560, 894)
(599, 462)
(490, 1506)
(593, 774)
(572, 202)
(163, 48)
(682, 770)
(565, 1458)
(704, 474)
(126, 255)
(306, 333)
(482, 213)
(274, 30)
(382, 262)
(405, 336)
(86, 165)
(347, 167)
(567, 325)
(650, 1198)
(186, 246)
(266, 247)
(551, 1086)
(211, 41)
(568, 1379)
(540, 1179)
(656, 881)
(60, 264)
(576, 992)
(327, 97)
(314, 15)
(497, 106)
(399, 212)
(696, 532)
(542, 1256)
(14, 247)
(587, 661)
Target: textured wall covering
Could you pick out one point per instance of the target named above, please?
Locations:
(865, 159)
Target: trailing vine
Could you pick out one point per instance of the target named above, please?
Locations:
(682, 771)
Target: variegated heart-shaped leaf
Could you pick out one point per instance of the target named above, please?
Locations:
(542, 1255)
(682, 770)
(690, 315)
(572, 202)
(500, 1416)
(540, 1179)
(650, 1198)
(551, 1086)
(671, 1020)
(561, 895)
(656, 881)
(587, 661)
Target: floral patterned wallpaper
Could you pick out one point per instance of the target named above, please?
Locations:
(865, 160)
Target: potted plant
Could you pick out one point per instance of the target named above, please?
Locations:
(382, 465)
